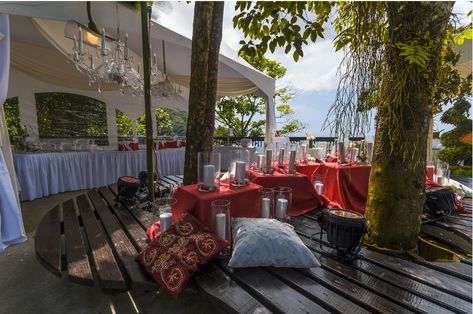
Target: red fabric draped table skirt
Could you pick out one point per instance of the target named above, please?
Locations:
(243, 203)
(304, 196)
(307, 168)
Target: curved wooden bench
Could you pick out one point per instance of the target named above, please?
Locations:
(93, 240)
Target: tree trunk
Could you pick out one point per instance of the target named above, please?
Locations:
(397, 182)
(206, 39)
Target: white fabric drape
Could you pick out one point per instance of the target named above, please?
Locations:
(11, 223)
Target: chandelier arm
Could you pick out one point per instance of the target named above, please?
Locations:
(91, 24)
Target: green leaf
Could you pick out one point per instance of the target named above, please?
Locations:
(288, 48)
(272, 45)
(295, 56)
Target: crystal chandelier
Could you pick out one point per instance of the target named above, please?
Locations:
(107, 61)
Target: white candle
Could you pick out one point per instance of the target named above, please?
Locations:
(319, 187)
(91, 62)
(292, 161)
(369, 151)
(102, 46)
(240, 170)
(259, 161)
(81, 45)
(221, 222)
(269, 160)
(165, 221)
(208, 176)
(281, 157)
(125, 53)
(304, 152)
(265, 207)
(281, 208)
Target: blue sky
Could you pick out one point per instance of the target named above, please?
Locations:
(313, 77)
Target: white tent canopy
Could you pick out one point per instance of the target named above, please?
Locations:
(39, 60)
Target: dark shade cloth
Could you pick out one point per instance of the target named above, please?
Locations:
(304, 196)
(429, 184)
(243, 203)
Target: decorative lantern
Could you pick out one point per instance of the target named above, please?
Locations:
(127, 187)
(208, 171)
(239, 165)
(163, 210)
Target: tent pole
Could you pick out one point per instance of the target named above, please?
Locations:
(147, 94)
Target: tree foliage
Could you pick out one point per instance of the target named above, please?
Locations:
(169, 122)
(455, 151)
(241, 112)
(12, 117)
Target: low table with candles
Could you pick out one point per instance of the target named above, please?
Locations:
(243, 201)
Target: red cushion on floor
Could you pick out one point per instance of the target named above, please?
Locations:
(175, 254)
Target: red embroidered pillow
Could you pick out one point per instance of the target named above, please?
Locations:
(178, 252)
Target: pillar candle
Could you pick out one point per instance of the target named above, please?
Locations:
(259, 161)
(125, 52)
(221, 222)
(269, 160)
(292, 161)
(81, 44)
(281, 208)
(165, 221)
(265, 207)
(240, 171)
(281, 157)
(208, 177)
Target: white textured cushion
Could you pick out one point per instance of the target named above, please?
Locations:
(268, 242)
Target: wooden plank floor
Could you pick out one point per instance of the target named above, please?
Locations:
(374, 282)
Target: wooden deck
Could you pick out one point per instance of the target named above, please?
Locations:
(102, 238)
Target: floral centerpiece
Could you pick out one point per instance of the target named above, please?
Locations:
(311, 139)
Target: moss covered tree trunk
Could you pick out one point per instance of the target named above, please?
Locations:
(206, 39)
(397, 183)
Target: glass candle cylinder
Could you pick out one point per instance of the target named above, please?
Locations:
(319, 153)
(282, 208)
(318, 181)
(303, 151)
(266, 202)
(341, 153)
(163, 209)
(259, 162)
(208, 170)
(369, 152)
(239, 165)
(281, 153)
(292, 162)
(221, 218)
(268, 162)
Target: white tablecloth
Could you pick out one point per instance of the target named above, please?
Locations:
(43, 174)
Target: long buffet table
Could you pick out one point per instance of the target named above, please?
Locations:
(43, 174)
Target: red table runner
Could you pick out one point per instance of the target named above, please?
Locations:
(304, 196)
(243, 203)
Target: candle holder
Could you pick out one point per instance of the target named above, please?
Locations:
(239, 165)
(318, 181)
(268, 161)
(221, 223)
(163, 210)
(266, 202)
(341, 156)
(442, 173)
(283, 200)
(208, 171)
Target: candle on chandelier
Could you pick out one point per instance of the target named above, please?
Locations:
(91, 62)
(81, 44)
(102, 46)
(125, 52)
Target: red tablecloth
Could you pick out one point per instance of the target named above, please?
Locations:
(243, 203)
(307, 168)
(346, 185)
(304, 196)
(429, 172)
